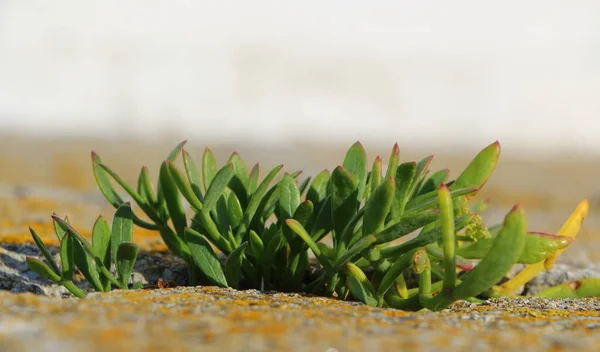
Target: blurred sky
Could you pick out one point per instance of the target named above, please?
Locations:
(449, 73)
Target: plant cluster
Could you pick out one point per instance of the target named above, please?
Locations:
(109, 248)
(350, 219)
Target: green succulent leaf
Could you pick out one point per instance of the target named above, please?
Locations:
(375, 177)
(233, 266)
(43, 270)
(218, 186)
(122, 230)
(304, 212)
(504, 253)
(406, 226)
(323, 223)
(234, 208)
(355, 250)
(327, 251)
(140, 201)
(89, 248)
(360, 287)
(355, 163)
(304, 185)
(192, 174)
(255, 202)
(393, 161)
(101, 246)
(103, 182)
(172, 199)
(431, 199)
(402, 263)
(87, 267)
(239, 182)
(480, 169)
(60, 230)
(205, 257)
(424, 238)
(184, 187)
(45, 252)
(289, 197)
(126, 257)
(344, 199)
(209, 168)
(253, 179)
(160, 196)
(317, 193)
(448, 237)
(144, 187)
(421, 172)
(300, 231)
(378, 206)
(434, 182)
(405, 173)
(538, 247)
(589, 287)
(256, 244)
(67, 257)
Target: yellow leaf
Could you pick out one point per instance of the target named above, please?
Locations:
(570, 229)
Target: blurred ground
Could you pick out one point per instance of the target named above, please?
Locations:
(39, 177)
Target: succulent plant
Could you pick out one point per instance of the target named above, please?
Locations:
(109, 247)
(349, 219)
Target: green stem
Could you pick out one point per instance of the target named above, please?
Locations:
(448, 239)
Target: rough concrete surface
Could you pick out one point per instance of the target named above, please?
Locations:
(39, 178)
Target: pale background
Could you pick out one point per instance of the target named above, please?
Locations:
(447, 74)
(297, 84)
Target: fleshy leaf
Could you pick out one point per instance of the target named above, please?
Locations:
(589, 287)
(172, 199)
(344, 199)
(253, 179)
(360, 286)
(434, 181)
(300, 231)
(122, 229)
(233, 266)
(405, 173)
(317, 193)
(378, 206)
(103, 182)
(184, 187)
(396, 270)
(569, 229)
(144, 187)
(393, 162)
(504, 253)
(192, 174)
(205, 257)
(406, 226)
(209, 168)
(45, 252)
(255, 202)
(239, 182)
(42, 269)
(87, 267)
(126, 256)
(218, 185)
(67, 257)
(234, 209)
(480, 169)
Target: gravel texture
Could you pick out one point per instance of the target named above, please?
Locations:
(208, 318)
(40, 178)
